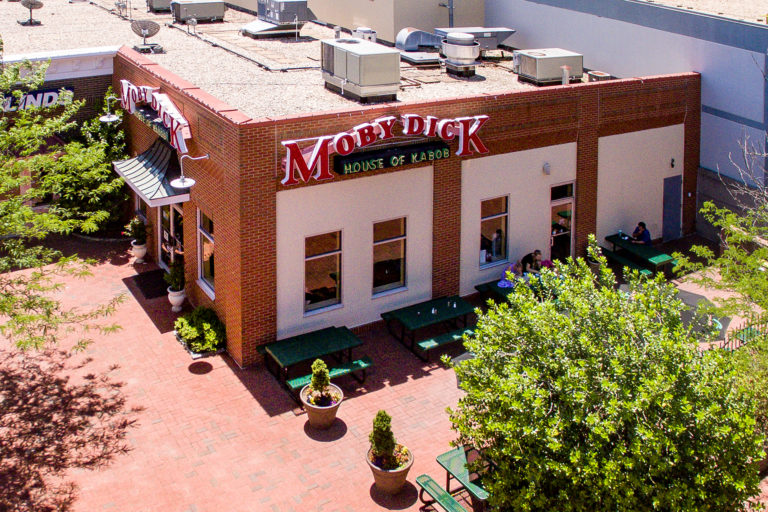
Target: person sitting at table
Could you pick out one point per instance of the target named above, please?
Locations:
(516, 269)
(531, 262)
(641, 235)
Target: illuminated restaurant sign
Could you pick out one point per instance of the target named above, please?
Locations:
(41, 98)
(132, 97)
(391, 157)
(314, 163)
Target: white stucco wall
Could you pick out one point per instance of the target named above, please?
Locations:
(353, 206)
(732, 78)
(630, 178)
(519, 176)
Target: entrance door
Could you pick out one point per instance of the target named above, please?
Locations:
(171, 248)
(561, 220)
(672, 214)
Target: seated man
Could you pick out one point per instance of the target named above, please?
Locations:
(531, 262)
(641, 235)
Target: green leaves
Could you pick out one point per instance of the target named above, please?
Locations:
(599, 400)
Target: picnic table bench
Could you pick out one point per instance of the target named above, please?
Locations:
(624, 262)
(425, 314)
(429, 344)
(438, 494)
(455, 464)
(340, 370)
(282, 355)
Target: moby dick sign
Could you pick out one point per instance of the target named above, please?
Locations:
(314, 162)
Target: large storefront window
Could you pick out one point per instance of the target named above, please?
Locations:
(388, 255)
(206, 246)
(322, 271)
(493, 230)
(171, 241)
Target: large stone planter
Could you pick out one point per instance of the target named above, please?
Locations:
(139, 251)
(176, 299)
(389, 481)
(319, 417)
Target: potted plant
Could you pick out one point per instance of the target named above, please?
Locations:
(389, 461)
(137, 230)
(176, 281)
(321, 399)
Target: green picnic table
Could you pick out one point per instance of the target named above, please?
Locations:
(455, 464)
(495, 291)
(426, 314)
(289, 352)
(649, 255)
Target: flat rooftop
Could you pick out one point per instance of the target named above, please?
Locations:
(262, 78)
(746, 10)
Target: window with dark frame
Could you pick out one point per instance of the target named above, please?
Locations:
(494, 214)
(322, 271)
(206, 244)
(388, 255)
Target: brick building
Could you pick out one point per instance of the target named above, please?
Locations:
(294, 255)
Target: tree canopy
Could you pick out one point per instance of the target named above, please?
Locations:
(32, 317)
(584, 397)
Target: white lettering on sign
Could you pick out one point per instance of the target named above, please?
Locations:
(41, 99)
(178, 127)
(303, 165)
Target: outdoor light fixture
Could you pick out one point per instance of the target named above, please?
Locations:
(182, 181)
(672, 163)
(546, 169)
(109, 117)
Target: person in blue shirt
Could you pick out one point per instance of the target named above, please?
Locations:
(641, 235)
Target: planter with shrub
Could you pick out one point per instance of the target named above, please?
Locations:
(176, 281)
(388, 460)
(137, 230)
(201, 332)
(321, 399)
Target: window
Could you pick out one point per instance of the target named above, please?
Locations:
(322, 271)
(561, 192)
(141, 208)
(205, 249)
(388, 255)
(493, 230)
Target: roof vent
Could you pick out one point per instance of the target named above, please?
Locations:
(365, 33)
(200, 10)
(361, 70)
(489, 37)
(461, 52)
(411, 39)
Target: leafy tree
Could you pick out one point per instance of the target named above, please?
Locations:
(81, 181)
(32, 317)
(592, 399)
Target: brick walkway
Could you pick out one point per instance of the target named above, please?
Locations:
(213, 437)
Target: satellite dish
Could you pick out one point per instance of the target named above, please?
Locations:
(31, 5)
(145, 29)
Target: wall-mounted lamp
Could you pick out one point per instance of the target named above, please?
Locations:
(182, 181)
(672, 163)
(545, 168)
(109, 117)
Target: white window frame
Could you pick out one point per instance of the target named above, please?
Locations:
(389, 291)
(506, 231)
(204, 285)
(137, 202)
(340, 252)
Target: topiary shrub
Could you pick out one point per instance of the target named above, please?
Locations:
(385, 452)
(320, 393)
(201, 330)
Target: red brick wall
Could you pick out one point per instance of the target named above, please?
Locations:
(237, 186)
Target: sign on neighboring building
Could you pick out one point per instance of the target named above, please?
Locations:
(166, 115)
(43, 98)
(303, 165)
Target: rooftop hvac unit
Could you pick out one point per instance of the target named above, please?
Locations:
(200, 10)
(278, 18)
(158, 5)
(361, 70)
(544, 66)
(489, 37)
(461, 52)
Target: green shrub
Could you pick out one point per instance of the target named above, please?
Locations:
(137, 230)
(201, 330)
(176, 278)
(386, 453)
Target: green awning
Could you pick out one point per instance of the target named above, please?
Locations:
(150, 174)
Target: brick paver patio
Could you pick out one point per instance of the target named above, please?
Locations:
(213, 437)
